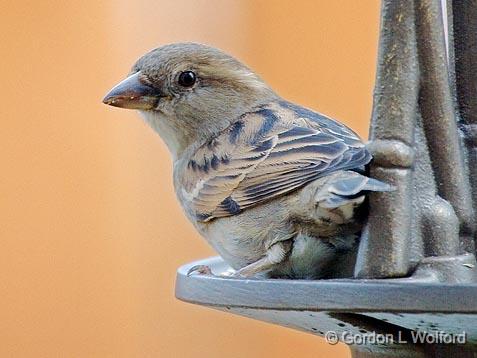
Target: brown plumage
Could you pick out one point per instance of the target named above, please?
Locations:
(266, 153)
(272, 186)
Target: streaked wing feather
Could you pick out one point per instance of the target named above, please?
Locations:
(267, 153)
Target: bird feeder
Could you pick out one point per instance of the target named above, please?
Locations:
(414, 287)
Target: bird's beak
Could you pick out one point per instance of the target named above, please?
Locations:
(132, 93)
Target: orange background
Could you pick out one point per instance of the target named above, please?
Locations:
(91, 234)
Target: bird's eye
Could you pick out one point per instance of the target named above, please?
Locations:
(187, 79)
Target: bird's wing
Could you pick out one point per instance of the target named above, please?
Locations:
(266, 153)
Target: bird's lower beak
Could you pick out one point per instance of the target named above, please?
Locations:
(133, 94)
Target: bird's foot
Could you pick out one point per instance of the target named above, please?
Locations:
(236, 274)
(200, 270)
(205, 270)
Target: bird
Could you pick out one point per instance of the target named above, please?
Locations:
(276, 189)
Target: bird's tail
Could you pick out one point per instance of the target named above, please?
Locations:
(348, 186)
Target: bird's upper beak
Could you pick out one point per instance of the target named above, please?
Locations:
(132, 93)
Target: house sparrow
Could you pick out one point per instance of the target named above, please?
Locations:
(272, 186)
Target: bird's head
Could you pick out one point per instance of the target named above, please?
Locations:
(189, 92)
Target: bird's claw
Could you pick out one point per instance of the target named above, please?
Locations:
(201, 270)
(237, 274)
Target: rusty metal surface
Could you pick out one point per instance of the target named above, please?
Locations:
(418, 144)
(386, 248)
